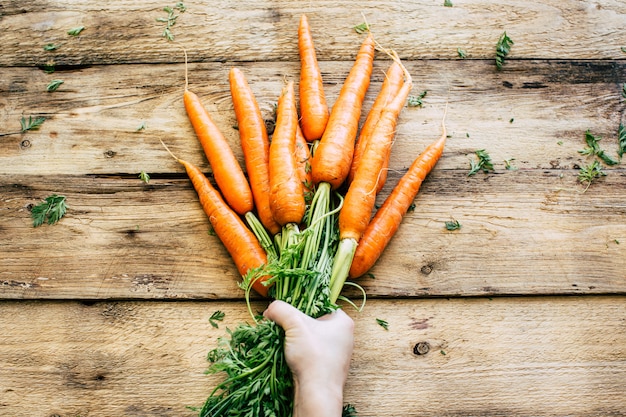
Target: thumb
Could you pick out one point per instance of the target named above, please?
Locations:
(284, 314)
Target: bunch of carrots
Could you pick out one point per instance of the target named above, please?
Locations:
(300, 223)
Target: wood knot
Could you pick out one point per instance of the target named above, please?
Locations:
(426, 269)
(25, 144)
(110, 154)
(421, 348)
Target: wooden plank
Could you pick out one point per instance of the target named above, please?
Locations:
(523, 232)
(515, 357)
(534, 111)
(125, 32)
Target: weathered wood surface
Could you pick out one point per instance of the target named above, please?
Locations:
(533, 111)
(500, 357)
(84, 330)
(523, 232)
(127, 32)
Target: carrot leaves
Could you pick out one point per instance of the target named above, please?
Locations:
(76, 31)
(349, 411)
(416, 101)
(215, 317)
(621, 137)
(50, 211)
(170, 20)
(593, 149)
(503, 47)
(383, 323)
(30, 123)
(590, 173)
(482, 163)
(54, 85)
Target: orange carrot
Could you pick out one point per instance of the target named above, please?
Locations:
(286, 189)
(388, 218)
(239, 241)
(391, 85)
(255, 145)
(303, 161)
(226, 169)
(361, 196)
(313, 108)
(333, 155)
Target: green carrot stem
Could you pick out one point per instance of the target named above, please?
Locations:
(341, 266)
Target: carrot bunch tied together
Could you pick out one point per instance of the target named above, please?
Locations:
(300, 223)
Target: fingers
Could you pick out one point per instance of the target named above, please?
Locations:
(284, 314)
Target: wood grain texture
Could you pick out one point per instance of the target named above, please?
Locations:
(533, 111)
(523, 232)
(505, 356)
(127, 32)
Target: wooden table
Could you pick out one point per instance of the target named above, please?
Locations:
(520, 312)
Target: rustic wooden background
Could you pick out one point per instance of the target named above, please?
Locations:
(520, 312)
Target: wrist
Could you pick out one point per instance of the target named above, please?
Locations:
(313, 398)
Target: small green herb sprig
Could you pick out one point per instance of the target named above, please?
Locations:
(349, 411)
(503, 47)
(461, 52)
(453, 225)
(215, 317)
(27, 124)
(447, 3)
(54, 85)
(361, 28)
(144, 176)
(416, 101)
(76, 31)
(51, 210)
(593, 149)
(621, 137)
(482, 163)
(383, 323)
(590, 172)
(170, 20)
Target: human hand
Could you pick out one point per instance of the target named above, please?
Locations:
(318, 352)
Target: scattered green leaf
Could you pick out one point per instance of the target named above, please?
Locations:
(411, 208)
(560, 143)
(144, 176)
(447, 3)
(624, 49)
(170, 20)
(621, 137)
(31, 124)
(48, 67)
(416, 101)
(211, 232)
(142, 126)
(589, 173)
(509, 165)
(483, 163)
(349, 411)
(383, 323)
(624, 90)
(462, 53)
(215, 317)
(50, 211)
(50, 47)
(76, 31)
(511, 120)
(54, 85)
(593, 148)
(361, 28)
(370, 275)
(443, 352)
(503, 47)
(453, 225)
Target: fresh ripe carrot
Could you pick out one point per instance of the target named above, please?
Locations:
(394, 78)
(255, 145)
(313, 108)
(286, 188)
(303, 161)
(239, 241)
(333, 156)
(361, 196)
(226, 169)
(388, 218)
